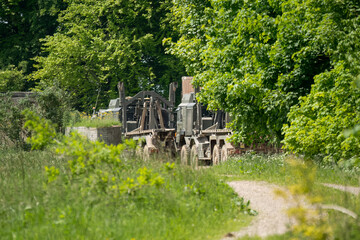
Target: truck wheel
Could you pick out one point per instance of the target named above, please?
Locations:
(224, 154)
(216, 156)
(172, 150)
(184, 155)
(146, 153)
(139, 151)
(194, 158)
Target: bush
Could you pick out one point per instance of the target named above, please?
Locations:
(11, 79)
(55, 105)
(43, 130)
(317, 125)
(11, 132)
(52, 104)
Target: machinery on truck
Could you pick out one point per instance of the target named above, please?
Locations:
(199, 135)
(146, 117)
(157, 125)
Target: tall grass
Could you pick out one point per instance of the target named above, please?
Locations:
(77, 119)
(273, 168)
(192, 205)
(97, 123)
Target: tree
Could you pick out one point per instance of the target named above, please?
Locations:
(240, 53)
(11, 79)
(102, 42)
(255, 58)
(22, 24)
(321, 124)
(318, 123)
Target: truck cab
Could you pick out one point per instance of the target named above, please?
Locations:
(201, 135)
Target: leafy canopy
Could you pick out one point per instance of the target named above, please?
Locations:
(102, 42)
(256, 58)
(22, 24)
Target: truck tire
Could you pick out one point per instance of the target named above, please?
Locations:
(224, 154)
(146, 153)
(194, 158)
(216, 156)
(139, 151)
(185, 155)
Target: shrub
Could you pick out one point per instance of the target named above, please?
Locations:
(43, 131)
(52, 104)
(318, 123)
(11, 79)
(55, 105)
(11, 132)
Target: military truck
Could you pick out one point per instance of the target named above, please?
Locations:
(201, 135)
(197, 134)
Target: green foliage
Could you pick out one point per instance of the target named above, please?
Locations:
(310, 223)
(37, 205)
(82, 120)
(22, 24)
(52, 104)
(55, 105)
(255, 58)
(11, 124)
(103, 42)
(11, 79)
(51, 173)
(43, 132)
(317, 125)
(94, 163)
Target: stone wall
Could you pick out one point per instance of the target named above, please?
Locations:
(109, 135)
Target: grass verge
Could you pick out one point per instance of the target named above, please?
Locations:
(190, 205)
(96, 123)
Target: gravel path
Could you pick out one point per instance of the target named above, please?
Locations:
(353, 190)
(272, 218)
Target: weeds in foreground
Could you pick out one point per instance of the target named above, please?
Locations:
(187, 205)
(92, 191)
(310, 221)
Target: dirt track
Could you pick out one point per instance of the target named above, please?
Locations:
(271, 218)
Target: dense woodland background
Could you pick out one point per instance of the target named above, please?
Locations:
(286, 70)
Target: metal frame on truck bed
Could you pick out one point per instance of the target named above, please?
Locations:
(148, 118)
(201, 135)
